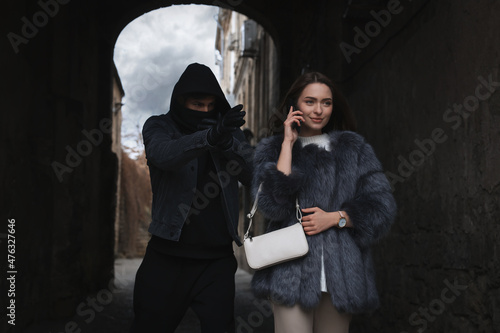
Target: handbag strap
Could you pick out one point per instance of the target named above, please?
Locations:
(298, 212)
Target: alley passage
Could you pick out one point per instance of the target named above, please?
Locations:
(110, 311)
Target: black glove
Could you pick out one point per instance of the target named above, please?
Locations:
(233, 118)
(206, 124)
(220, 133)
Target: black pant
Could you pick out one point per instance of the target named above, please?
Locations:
(165, 286)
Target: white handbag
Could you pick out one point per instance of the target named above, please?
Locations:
(277, 246)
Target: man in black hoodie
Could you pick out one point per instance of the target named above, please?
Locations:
(196, 155)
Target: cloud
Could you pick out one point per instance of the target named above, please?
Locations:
(152, 52)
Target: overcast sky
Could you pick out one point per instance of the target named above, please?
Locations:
(153, 51)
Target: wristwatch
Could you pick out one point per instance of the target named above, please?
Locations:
(342, 221)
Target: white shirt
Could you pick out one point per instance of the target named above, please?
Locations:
(323, 142)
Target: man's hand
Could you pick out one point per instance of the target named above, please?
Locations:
(207, 123)
(233, 118)
(220, 132)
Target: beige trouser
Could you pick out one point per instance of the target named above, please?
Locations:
(323, 319)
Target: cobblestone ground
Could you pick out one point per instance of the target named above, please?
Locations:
(252, 315)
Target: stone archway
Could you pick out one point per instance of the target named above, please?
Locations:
(58, 90)
(56, 84)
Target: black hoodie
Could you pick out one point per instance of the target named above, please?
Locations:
(196, 79)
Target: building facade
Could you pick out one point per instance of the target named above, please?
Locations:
(247, 59)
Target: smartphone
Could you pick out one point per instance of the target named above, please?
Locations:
(291, 103)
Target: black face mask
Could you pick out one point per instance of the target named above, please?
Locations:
(189, 119)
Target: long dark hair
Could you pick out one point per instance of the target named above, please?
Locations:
(341, 119)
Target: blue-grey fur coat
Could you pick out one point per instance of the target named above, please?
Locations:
(349, 178)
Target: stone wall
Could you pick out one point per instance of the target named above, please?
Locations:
(427, 98)
(58, 170)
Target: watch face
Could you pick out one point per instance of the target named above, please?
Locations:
(342, 222)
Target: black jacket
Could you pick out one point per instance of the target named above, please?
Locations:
(172, 155)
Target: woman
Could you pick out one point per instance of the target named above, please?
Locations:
(347, 205)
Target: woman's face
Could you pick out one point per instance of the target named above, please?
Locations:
(316, 104)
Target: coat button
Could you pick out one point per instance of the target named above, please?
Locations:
(192, 168)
